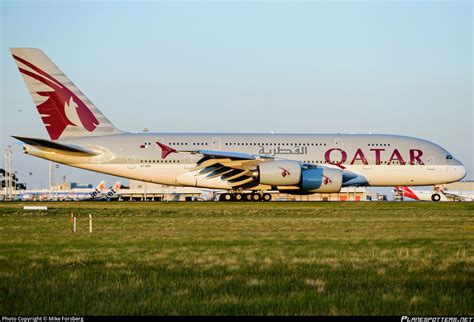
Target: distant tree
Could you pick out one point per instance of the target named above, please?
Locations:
(4, 176)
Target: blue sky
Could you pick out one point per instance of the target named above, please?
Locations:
(305, 67)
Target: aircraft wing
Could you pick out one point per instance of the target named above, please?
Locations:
(47, 145)
(223, 154)
(234, 167)
(230, 159)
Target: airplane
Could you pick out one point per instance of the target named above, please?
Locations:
(210, 195)
(82, 137)
(438, 194)
(96, 195)
(69, 195)
(82, 194)
(113, 192)
(32, 195)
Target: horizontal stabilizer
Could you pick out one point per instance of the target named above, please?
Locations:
(48, 145)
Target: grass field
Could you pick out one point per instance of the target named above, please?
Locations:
(238, 258)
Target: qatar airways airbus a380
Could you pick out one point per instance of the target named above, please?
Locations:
(81, 136)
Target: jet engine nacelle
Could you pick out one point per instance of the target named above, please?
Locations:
(280, 173)
(321, 179)
(293, 173)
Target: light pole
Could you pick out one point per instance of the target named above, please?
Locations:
(50, 175)
(7, 154)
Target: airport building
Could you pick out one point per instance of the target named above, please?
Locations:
(142, 191)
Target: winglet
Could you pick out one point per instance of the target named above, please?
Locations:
(165, 150)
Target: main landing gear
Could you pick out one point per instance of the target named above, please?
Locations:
(238, 196)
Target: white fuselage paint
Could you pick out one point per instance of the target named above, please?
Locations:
(382, 160)
(177, 174)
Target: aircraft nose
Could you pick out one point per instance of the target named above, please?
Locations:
(459, 170)
(462, 172)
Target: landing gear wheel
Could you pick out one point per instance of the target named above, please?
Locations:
(248, 197)
(436, 197)
(267, 197)
(238, 197)
(256, 197)
(227, 197)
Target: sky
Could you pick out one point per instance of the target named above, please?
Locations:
(396, 67)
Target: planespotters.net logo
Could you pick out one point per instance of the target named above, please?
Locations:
(437, 319)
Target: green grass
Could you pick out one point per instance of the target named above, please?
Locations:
(238, 258)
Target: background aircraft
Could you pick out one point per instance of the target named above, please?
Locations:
(81, 194)
(113, 192)
(98, 193)
(437, 194)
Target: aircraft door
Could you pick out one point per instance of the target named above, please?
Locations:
(430, 161)
(216, 144)
(131, 162)
(339, 143)
(370, 162)
(189, 162)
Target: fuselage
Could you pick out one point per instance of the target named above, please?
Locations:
(378, 160)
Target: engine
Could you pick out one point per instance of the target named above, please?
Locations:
(321, 179)
(293, 173)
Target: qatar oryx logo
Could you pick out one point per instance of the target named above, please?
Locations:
(284, 172)
(326, 180)
(61, 107)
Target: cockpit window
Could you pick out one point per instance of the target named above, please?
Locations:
(449, 157)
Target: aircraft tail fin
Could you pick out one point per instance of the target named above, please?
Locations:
(65, 111)
(117, 186)
(114, 190)
(407, 192)
(101, 185)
